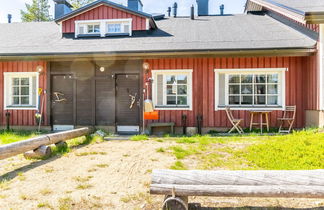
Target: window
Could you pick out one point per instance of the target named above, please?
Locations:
(254, 88)
(172, 89)
(114, 28)
(93, 29)
(103, 28)
(20, 90)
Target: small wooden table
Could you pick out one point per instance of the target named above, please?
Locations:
(261, 123)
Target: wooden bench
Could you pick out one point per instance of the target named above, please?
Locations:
(156, 125)
(178, 185)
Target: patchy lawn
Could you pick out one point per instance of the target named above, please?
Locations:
(116, 175)
(7, 137)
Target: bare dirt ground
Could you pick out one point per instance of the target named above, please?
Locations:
(108, 175)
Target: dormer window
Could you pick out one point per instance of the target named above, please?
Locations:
(103, 28)
(94, 28)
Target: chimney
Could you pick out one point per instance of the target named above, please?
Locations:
(192, 12)
(203, 7)
(169, 11)
(135, 5)
(62, 7)
(221, 8)
(9, 18)
(175, 8)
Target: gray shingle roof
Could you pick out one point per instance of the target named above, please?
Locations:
(303, 5)
(236, 32)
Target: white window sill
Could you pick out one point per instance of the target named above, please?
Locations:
(21, 108)
(245, 108)
(173, 108)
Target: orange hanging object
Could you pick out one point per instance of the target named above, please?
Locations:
(151, 115)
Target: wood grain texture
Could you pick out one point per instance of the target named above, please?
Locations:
(104, 12)
(255, 178)
(22, 117)
(289, 191)
(301, 87)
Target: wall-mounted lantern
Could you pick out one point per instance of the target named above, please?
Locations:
(102, 69)
(39, 69)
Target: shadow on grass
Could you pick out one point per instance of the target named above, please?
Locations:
(194, 206)
(56, 154)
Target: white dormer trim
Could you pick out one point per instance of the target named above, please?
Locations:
(103, 25)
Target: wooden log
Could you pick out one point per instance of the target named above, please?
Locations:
(252, 178)
(41, 152)
(288, 191)
(19, 147)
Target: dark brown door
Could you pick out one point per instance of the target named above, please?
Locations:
(62, 99)
(127, 100)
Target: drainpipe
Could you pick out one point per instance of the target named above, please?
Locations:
(184, 124)
(175, 8)
(8, 120)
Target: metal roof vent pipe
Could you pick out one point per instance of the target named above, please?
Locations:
(192, 12)
(203, 6)
(221, 8)
(175, 8)
(9, 18)
(169, 11)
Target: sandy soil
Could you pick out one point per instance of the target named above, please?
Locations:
(109, 175)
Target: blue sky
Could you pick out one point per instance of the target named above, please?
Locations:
(159, 6)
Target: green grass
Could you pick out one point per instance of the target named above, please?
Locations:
(139, 138)
(7, 137)
(301, 150)
(178, 165)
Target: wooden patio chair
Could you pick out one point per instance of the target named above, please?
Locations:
(289, 115)
(235, 122)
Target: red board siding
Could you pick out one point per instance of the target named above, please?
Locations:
(301, 87)
(21, 117)
(104, 12)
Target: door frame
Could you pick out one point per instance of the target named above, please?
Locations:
(140, 98)
(51, 95)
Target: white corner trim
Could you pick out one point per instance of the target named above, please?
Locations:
(321, 67)
(147, 24)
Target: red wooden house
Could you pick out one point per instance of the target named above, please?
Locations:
(90, 66)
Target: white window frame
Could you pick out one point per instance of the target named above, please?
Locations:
(8, 76)
(281, 90)
(187, 72)
(103, 26)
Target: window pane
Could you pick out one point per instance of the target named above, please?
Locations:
(171, 100)
(247, 100)
(171, 79)
(273, 78)
(234, 100)
(246, 78)
(24, 81)
(15, 81)
(97, 29)
(24, 91)
(234, 78)
(259, 100)
(259, 89)
(182, 100)
(15, 91)
(234, 89)
(24, 100)
(182, 79)
(171, 90)
(15, 100)
(182, 89)
(272, 89)
(260, 78)
(272, 100)
(90, 28)
(246, 89)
